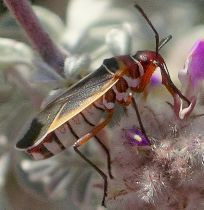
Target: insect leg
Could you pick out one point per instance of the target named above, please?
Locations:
(94, 131)
(87, 137)
(139, 118)
(103, 175)
(103, 147)
(108, 156)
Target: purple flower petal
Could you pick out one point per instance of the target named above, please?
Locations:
(194, 66)
(135, 137)
(156, 78)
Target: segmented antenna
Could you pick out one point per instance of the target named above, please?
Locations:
(151, 25)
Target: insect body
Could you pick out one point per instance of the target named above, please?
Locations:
(115, 81)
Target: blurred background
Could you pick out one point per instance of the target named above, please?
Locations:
(90, 30)
(57, 7)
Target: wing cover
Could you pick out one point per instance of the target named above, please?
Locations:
(67, 105)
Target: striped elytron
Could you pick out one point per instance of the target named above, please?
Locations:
(74, 117)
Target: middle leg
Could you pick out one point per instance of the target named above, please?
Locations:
(86, 138)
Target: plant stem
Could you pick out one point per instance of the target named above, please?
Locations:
(41, 41)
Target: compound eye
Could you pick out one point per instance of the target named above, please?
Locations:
(143, 58)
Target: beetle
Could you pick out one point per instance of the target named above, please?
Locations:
(54, 128)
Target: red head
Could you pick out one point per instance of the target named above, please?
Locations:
(148, 57)
(149, 60)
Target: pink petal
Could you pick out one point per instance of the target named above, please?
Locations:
(194, 66)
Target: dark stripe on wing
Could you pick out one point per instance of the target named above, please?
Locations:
(111, 64)
(31, 134)
(79, 95)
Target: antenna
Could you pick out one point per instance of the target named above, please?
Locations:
(159, 45)
(164, 41)
(152, 27)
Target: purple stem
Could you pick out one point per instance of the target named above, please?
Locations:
(41, 41)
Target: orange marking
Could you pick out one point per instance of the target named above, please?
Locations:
(94, 131)
(146, 77)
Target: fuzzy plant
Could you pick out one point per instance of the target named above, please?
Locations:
(163, 171)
